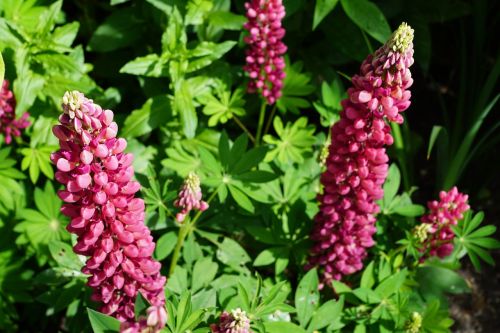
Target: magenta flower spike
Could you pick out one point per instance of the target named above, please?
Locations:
(264, 57)
(443, 214)
(9, 125)
(189, 197)
(106, 216)
(357, 163)
(235, 321)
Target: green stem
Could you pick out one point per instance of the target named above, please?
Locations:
(261, 123)
(400, 152)
(244, 128)
(184, 231)
(270, 120)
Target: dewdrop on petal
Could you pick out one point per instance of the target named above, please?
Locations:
(189, 197)
(106, 216)
(357, 163)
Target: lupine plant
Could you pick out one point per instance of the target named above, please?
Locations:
(255, 175)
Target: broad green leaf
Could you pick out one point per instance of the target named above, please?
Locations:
(102, 323)
(207, 52)
(165, 245)
(391, 184)
(326, 314)
(282, 327)
(204, 272)
(64, 255)
(120, 29)
(368, 17)
(322, 9)
(268, 256)
(226, 20)
(392, 284)
(150, 65)
(307, 296)
(409, 210)
(183, 105)
(232, 254)
(2, 69)
(154, 113)
(367, 279)
(26, 89)
(435, 281)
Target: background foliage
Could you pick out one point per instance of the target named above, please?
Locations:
(172, 72)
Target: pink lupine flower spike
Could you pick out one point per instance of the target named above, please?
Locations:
(264, 57)
(9, 125)
(443, 214)
(106, 216)
(357, 164)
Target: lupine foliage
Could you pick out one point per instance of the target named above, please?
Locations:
(258, 172)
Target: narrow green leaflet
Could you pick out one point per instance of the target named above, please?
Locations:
(296, 86)
(36, 160)
(307, 297)
(102, 323)
(322, 9)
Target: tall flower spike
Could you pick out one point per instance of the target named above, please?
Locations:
(189, 197)
(235, 321)
(357, 163)
(100, 199)
(264, 57)
(443, 214)
(9, 125)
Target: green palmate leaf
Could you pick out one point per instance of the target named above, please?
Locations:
(475, 240)
(151, 65)
(154, 113)
(120, 29)
(295, 86)
(37, 159)
(307, 297)
(392, 284)
(46, 224)
(322, 9)
(102, 323)
(225, 107)
(226, 20)
(295, 140)
(368, 17)
(42, 132)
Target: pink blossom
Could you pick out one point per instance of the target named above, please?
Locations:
(155, 320)
(264, 57)
(235, 321)
(357, 164)
(9, 125)
(105, 215)
(189, 197)
(443, 214)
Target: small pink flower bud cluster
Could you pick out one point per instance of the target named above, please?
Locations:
(100, 199)
(189, 197)
(443, 214)
(357, 164)
(156, 319)
(264, 57)
(9, 125)
(235, 321)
